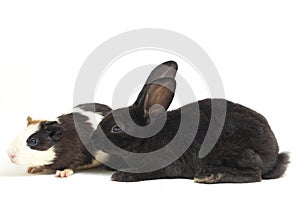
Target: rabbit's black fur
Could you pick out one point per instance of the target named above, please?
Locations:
(246, 151)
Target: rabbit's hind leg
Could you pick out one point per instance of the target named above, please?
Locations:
(243, 168)
(223, 174)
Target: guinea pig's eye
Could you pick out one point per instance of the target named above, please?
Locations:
(116, 129)
(32, 142)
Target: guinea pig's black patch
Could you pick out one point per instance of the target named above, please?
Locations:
(46, 137)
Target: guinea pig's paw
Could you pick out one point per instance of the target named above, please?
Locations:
(124, 177)
(35, 170)
(213, 178)
(64, 174)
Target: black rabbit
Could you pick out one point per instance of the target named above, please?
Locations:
(246, 151)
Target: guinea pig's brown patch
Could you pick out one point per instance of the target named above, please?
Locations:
(30, 121)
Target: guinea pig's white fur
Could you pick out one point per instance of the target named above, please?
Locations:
(94, 118)
(23, 155)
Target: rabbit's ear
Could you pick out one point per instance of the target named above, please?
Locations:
(159, 97)
(165, 70)
(158, 91)
(156, 97)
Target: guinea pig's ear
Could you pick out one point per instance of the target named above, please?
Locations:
(53, 129)
(29, 120)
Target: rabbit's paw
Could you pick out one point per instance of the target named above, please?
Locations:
(213, 178)
(124, 177)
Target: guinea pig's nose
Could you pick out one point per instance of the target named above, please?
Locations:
(12, 157)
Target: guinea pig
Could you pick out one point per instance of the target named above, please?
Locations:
(49, 146)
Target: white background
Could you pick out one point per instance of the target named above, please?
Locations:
(255, 46)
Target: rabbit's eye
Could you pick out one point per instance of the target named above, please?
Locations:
(116, 129)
